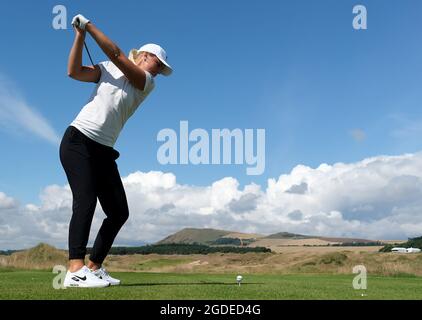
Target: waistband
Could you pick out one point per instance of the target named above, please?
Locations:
(98, 146)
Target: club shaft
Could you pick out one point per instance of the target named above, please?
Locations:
(89, 55)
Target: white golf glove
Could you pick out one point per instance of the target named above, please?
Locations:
(80, 21)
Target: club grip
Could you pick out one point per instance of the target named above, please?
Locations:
(76, 23)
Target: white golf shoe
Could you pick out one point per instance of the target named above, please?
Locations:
(104, 275)
(84, 278)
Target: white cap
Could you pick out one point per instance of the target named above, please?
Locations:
(158, 51)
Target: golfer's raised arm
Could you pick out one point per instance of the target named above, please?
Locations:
(134, 74)
(75, 69)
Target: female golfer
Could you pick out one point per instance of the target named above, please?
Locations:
(86, 150)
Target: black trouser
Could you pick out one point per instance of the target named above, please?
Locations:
(92, 172)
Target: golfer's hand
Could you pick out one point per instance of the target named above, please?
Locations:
(79, 32)
(80, 21)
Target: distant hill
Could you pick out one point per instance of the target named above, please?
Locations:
(347, 240)
(287, 235)
(215, 237)
(292, 236)
(241, 235)
(193, 235)
(42, 256)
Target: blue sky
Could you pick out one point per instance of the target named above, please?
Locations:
(294, 68)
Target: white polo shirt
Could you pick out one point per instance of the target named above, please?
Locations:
(111, 104)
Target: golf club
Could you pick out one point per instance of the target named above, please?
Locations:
(76, 24)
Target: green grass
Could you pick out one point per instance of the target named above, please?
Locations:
(38, 285)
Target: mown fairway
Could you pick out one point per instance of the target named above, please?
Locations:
(38, 285)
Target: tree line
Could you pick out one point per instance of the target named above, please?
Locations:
(181, 248)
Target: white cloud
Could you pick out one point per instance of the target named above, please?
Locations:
(376, 198)
(16, 115)
(6, 202)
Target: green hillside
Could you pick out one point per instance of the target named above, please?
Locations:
(193, 235)
(39, 257)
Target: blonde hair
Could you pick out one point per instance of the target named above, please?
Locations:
(133, 54)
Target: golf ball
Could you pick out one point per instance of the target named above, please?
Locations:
(239, 278)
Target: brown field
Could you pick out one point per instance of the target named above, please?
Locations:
(275, 244)
(392, 241)
(288, 259)
(323, 249)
